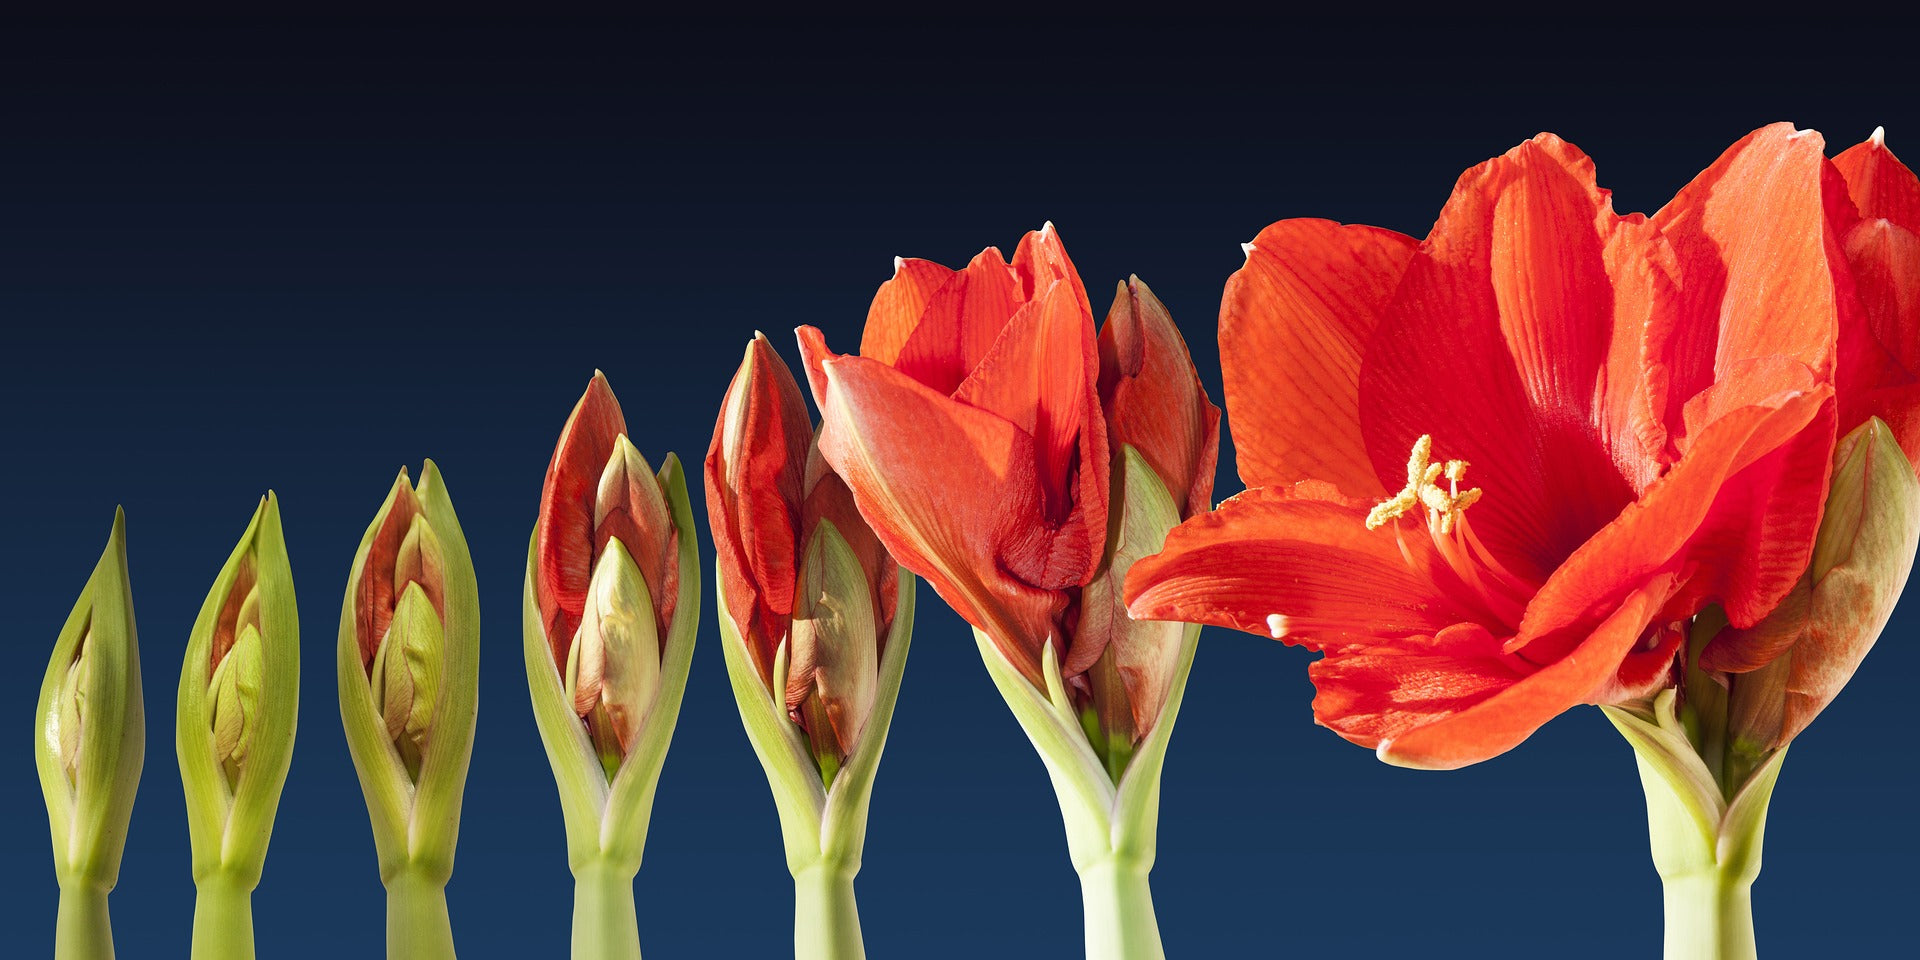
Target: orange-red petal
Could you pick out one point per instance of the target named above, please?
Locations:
(1294, 322)
(754, 471)
(953, 492)
(1304, 556)
(563, 541)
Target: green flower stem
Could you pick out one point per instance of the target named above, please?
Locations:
(417, 924)
(1119, 911)
(222, 919)
(604, 924)
(82, 931)
(826, 921)
(1709, 916)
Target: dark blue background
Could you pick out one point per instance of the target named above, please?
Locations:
(235, 257)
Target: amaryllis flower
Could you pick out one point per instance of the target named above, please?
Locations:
(611, 604)
(606, 576)
(786, 529)
(1494, 473)
(970, 430)
(1021, 465)
(816, 617)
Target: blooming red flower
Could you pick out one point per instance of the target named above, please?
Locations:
(975, 430)
(1612, 420)
(970, 431)
(768, 494)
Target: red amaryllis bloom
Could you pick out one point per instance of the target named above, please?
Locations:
(1493, 473)
(970, 431)
(975, 429)
(605, 543)
(770, 498)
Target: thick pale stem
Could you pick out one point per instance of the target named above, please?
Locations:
(1709, 917)
(1119, 912)
(82, 931)
(826, 921)
(222, 920)
(604, 924)
(417, 924)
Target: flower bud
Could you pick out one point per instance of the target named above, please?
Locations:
(408, 663)
(607, 573)
(1165, 436)
(90, 733)
(1785, 669)
(802, 573)
(403, 640)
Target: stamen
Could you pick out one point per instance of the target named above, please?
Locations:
(1444, 507)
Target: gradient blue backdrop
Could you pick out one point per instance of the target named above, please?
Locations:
(235, 257)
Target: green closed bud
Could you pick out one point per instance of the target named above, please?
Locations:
(89, 746)
(613, 667)
(408, 670)
(234, 731)
(1809, 647)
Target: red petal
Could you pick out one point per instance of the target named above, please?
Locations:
(564, 546)
(951, 490)
(1462, 701)
(1880, 185)
(1752, 240)
(897, 307)
(1040, 377)
(1736, 516)
(1153, 397)
(961, 321)
(1294, 322)
(1499, 344)
(753, 479)
(1041, 259)
(1312, 561)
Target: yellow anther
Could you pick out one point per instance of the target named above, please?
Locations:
(1444, 506)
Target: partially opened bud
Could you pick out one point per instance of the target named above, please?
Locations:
(611, 606)
(806, 584)
(239, 702)
(409, 689)
(606, 547)
(1788, 667)
(1165, 438)
(89, 746)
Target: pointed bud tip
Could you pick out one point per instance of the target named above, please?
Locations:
(1878, 137)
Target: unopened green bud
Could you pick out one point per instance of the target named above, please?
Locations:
(406, 674)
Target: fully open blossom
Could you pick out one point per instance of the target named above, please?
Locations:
(1495, 472)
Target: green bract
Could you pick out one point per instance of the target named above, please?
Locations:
(607, 801)
(238, 707)
(408, 698)
(89, 746)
